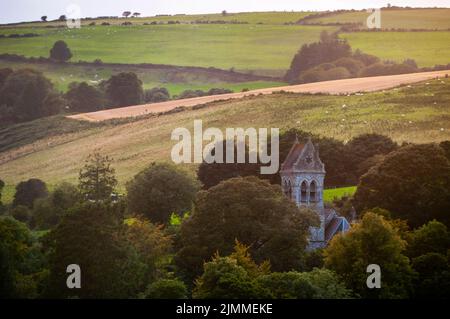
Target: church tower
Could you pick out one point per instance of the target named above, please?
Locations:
(302, 180)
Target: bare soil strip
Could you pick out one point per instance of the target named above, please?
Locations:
(346, 86)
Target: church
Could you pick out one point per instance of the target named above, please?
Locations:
(302, 180)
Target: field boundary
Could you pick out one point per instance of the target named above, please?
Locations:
(230, 75)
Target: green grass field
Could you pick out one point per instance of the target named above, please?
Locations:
(263, 49)
(175, 81)
(329, 195)
(407, 19)
(418, 113)
(426, 48)
(273, 17)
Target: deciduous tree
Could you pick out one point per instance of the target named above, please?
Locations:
(372, 241)
(252, 211)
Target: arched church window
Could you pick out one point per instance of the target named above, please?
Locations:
(313, 192)
(286, 188)
(304, 192)
(289, 190)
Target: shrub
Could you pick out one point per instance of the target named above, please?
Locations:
(60, 52)
(319, 74)
(166, 289)
(156, 95)
(187, 94)
(217, 91)
(351, 64)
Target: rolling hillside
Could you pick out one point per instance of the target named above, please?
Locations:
(423, 18)
(262, 49)
(344, 86)
(415, 113)
(426, 48)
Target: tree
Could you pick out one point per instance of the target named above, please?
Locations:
(21, 213)
(91, 237)
(83, 97)
(26, 92)
(136, 14)
(351, 64)
(125, 14)
(224, 13)
(97, 179)
(223, 278)
(151, 244)
(156, 95)
(431, 237)
(44, 18)
(366, 146)
(317, 284)
(62, 17)
(428, 248)
(124, 89)
(332, 153)
(413, 183)
(47, 212)
(231, 277)
(328, 49)
(434, 276)
(211, 174)
(365, 58)
(251, 211)
(21, 261)
(27, 192)
(160, 190)
(60, 51)
(166, 289)
(239, 276)
(372, 241)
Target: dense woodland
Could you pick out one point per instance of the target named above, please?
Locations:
(232, 234)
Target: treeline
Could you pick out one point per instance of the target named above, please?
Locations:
(241, 238)
(307, 19)
(27, 94)
(16, 35)
(344, 163)
(332, 58)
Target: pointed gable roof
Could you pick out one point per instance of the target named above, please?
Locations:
(303, 157)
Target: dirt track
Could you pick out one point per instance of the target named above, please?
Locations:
(332, 87)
